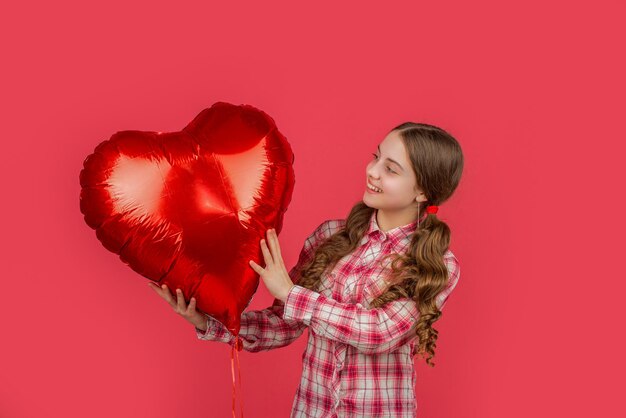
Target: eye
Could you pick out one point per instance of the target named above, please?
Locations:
(388, 168)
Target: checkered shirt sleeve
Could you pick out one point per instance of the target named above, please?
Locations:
(372, 331)
(267, 329)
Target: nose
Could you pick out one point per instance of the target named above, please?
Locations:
(372, 172)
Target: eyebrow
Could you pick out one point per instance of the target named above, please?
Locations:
(393, 161)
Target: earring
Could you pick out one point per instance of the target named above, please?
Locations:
(418, 214)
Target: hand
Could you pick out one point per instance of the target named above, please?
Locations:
(274, 275)
(180, 306)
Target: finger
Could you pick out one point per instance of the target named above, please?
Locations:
(266, 253)
(256, 267)
(192, 305)
(167, 295)
(157, 289)
(274, 245)
(182, 305)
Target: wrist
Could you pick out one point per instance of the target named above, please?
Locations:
(287, 293)
(201, 325)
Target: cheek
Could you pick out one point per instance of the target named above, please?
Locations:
(396, 187)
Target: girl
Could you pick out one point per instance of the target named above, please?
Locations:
(367, 316)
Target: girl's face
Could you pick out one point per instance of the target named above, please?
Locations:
(390, 171)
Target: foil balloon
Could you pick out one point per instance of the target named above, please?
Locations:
(188, 209)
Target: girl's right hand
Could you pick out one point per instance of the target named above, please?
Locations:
(180, 306)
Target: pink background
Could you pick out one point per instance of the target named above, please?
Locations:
(534, 92)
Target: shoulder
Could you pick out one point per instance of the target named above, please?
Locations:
(452, 264)
(454, 271)
(449, 256)
(326, 229)
(329, 227)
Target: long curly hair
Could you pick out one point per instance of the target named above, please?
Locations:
(420, 273)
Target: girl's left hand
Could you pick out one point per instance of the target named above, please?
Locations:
(274, 275)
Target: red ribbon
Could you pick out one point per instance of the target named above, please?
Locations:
(238, 345)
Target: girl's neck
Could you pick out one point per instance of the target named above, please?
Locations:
(389, 220)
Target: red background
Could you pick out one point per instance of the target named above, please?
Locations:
(534, 92)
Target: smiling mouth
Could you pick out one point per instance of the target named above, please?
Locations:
(373, 188)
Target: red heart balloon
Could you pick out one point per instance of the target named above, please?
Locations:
(188, 209)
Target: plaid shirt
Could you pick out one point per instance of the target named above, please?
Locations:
(358, 361)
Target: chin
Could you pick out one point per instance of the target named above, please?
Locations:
(368, 203)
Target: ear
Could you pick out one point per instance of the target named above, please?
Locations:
(421, 197)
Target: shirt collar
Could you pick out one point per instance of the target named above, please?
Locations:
(394, 235)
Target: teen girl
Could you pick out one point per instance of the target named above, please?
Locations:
(369, 287)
